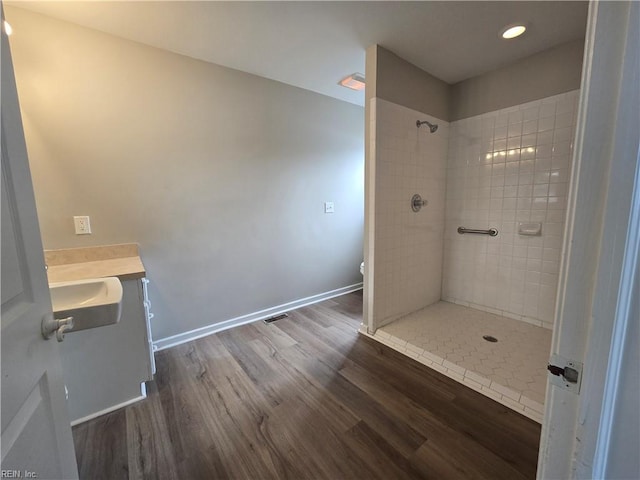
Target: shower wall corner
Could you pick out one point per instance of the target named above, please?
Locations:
(403, 248)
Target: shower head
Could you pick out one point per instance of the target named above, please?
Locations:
(432, 126)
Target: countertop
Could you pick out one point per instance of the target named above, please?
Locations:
(122, 261)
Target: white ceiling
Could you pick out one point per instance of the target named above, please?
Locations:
(313, 45)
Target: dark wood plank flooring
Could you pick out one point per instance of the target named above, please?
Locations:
(305, 397)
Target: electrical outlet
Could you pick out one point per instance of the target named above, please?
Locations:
(82, 224)
(328, 207)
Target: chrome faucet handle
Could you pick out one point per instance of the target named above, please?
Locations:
(417, 203)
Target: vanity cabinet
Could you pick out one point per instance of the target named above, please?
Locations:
(105, 368)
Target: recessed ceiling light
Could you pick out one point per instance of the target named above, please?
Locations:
(512, 31)
(355, 81)
(7, 28)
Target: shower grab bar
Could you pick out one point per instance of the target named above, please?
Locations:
(491, 232)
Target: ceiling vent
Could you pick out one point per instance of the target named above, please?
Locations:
(355, 81)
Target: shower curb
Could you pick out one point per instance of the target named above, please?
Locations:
(483, 385)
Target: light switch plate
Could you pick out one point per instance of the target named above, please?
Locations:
(82, 225)
(328, 207)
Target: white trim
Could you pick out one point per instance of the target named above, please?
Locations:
(369, 214)
(109, 409)
(593, 250)
(550, 459)
(620, 330)
(185, 337)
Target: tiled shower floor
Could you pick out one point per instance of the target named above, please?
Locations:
(448, 338)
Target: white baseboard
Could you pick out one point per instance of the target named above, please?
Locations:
(181, 338)
(111, 409)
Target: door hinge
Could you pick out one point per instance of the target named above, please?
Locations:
(565, 373)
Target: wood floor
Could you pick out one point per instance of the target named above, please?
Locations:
(305, 397)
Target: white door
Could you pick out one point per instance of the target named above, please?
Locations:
(36, 435)
(595, 316)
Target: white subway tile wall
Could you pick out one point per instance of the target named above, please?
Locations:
(506, 167)
(408, 246)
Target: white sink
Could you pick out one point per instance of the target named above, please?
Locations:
(92, 303)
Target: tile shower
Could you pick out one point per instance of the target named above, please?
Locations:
(436, 292)
(408, 245)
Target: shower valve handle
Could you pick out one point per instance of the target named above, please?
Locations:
(417, 203)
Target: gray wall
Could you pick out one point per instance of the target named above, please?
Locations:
(551, 72)
(402, 83)
(219, 175)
